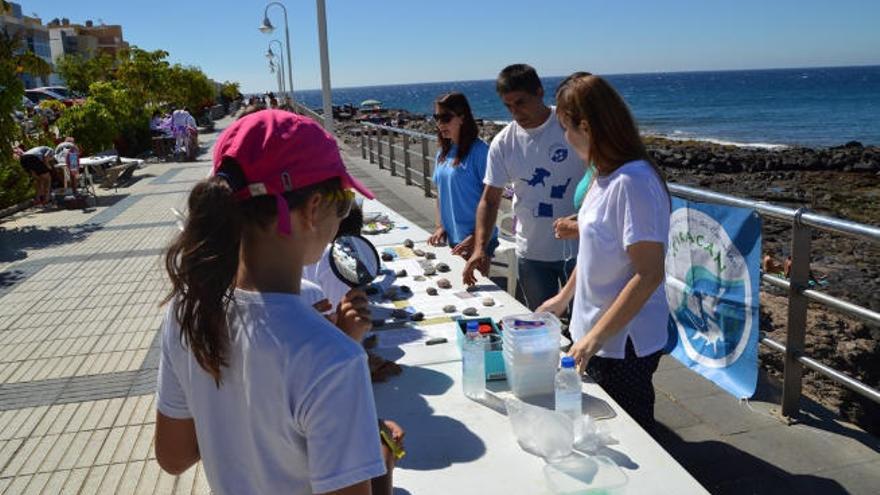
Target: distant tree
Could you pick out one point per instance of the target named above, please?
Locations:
(190, 87)
(230, 90)
(91, 124)
(79, 71)
(146, 74)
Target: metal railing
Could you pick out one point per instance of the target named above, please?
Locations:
(308, 112)
(378, 143)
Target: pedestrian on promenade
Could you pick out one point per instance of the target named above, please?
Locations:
(532, 154)
(256, 384)
(620, 311)
(458, 173)
(38, 162)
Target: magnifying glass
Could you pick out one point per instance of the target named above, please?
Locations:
(354, 260)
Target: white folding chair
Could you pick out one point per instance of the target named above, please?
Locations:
(504, 262)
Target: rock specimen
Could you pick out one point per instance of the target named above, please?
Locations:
(429, 255)
(418, 316)
(449, 308)
(432, 291)
(442, 267)
(469, 311)
(488, 301)
(400, 273)
(444, 284)
(409, 243)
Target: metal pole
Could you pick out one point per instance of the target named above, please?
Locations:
(391, 153)
(426, 173)
(797, 315)
(281, 62)
(325, 67)
(363, 145)
(406, 162)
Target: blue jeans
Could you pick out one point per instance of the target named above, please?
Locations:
(541, 280)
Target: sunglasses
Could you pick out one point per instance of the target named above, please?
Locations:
(443, 118)
(344, 200)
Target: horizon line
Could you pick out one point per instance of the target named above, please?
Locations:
(695, 71)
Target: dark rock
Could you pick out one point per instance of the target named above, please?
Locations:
(431, 291)
(418, 252)
(419, 278)
(449, 308)
(387, 257)
(409, 243)
(442, 267)
(400, 273)
(469, 311)
(429, 255)
(429, 269)
(405, 288)
(444, 283)
(417, 316)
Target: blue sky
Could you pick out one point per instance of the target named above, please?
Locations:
(402, 41)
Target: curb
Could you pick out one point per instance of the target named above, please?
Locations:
(5, 212)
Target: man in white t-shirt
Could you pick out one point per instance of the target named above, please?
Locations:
(531, 153)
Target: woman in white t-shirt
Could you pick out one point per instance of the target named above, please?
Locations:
(620, 313)
(255, 383)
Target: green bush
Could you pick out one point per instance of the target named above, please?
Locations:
(129, 113)
(91, 124)
(15, 183)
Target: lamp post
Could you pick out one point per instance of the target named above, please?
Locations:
(267, 28)
(279, 75)
(270, 54)
(325, 66)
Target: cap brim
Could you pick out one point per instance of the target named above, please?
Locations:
(350, 182)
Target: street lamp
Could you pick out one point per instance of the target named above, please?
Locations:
(270, 54)
(267, 27)
(325, 66)
(279, 75)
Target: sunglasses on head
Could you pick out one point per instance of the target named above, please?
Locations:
(344, 200)
(443, 118)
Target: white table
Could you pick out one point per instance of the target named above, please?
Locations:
(403, 228)
(459, 446)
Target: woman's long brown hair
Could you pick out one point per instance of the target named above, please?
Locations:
(457, 103)
(612, 131)
(202, 261)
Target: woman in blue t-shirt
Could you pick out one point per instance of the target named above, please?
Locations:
(458, 174)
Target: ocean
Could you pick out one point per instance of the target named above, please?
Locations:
(764, 108)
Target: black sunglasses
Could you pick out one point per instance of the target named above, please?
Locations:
(443, 118)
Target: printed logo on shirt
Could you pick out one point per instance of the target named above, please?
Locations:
(708, 289)
(538, 177)
(558, 153)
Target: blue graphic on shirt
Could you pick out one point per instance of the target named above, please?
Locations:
(558, 153)
(538, 178)
(558, 192)
(544, 210)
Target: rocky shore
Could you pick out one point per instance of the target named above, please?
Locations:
(841, 181)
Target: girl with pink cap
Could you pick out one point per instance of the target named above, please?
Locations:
(255, 383)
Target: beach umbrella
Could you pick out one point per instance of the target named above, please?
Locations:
(371, 103)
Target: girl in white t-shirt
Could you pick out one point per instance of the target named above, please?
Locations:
(620, 313)
(255, 383)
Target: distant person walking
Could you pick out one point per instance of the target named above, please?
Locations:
(458, 173)
(532, 154)
(183, 128)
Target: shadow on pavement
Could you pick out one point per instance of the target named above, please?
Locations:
(14, 243)
(722, 468)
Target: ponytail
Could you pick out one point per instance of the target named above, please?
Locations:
(202, 263)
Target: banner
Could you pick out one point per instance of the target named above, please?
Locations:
(712, 285)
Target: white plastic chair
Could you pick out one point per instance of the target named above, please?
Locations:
(504, 262)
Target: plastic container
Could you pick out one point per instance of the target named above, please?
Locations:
(531, 353)
(474, 363)
(493, 352)
(585, 475)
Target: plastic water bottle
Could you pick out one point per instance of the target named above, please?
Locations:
(568, 394)
(474, 362)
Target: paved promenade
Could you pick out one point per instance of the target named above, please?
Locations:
(79, 315)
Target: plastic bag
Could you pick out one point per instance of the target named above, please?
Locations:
(540, 431)
(592, 435)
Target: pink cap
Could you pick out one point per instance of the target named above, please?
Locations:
(280, 151)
